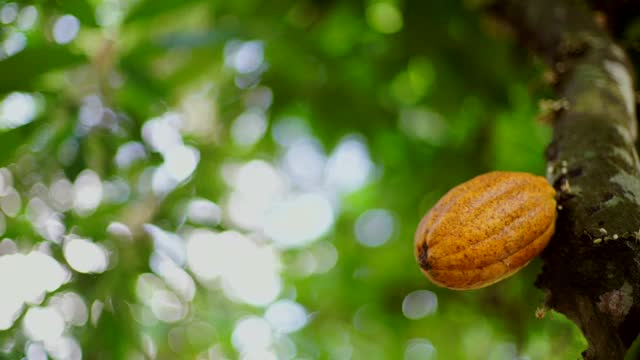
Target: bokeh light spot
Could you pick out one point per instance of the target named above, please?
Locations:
(325, 255)
(249, 127)
(65, 29)
(64, 348)
(299, 221)
(257, 185)
(181, 161)
(177, 279)
(119, 230)
(72, 308)
(129, 153)
(250, 273)
(384, 17)
(304, 162)
(419, 349)
(27, 17)
(91, 112)
(14, 43)
(34, 274)
(43, 324)
(349, 166)
(35, 351)
(244, 57)
(163, 133)
(17, 109)
(374, 227)
(87, 192)
(204, 212)
(167, 243)
(423, 124)
(85, 256)
(167, 307)
(61, 194)
(8, 13)
(286, 316)
(288, 130)
(251, 333)
(419, 304)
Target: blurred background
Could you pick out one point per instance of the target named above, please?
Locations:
(191, 179)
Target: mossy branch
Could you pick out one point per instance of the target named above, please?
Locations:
(591, 268)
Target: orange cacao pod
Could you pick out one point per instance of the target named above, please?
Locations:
(485, 229)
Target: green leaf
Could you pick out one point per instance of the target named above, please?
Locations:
(19, 72)
(80, 9)
(149, 8)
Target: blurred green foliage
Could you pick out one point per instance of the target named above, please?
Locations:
(435, 91)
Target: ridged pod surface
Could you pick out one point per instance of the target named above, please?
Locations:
(486, 229)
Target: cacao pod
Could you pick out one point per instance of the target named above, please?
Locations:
(486, 229)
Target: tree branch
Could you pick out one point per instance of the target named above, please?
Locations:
(592, 265)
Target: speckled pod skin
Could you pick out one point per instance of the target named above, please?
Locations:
(486, 229)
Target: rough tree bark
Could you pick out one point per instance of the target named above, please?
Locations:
(591, 268)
